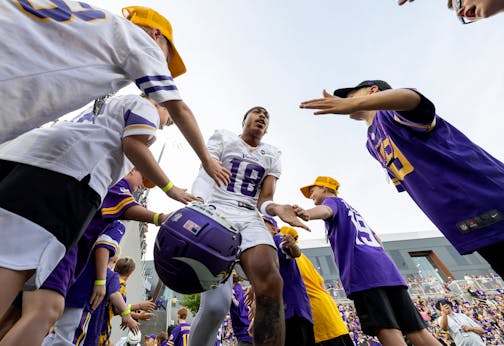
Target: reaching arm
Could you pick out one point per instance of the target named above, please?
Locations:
(127, 321)
(320, 212)
(394, 99)
(283, 211)
(186, 122)
(101, 261)
(136, 150)
(289, 243)
(139, 213)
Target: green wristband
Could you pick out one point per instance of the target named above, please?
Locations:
(127, 311)
(167, 187)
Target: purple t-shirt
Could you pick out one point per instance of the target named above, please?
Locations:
(99, 314)
(295, 297)
(361, 260)
(80, 292)
(180, 335)
(239, 315)
(458, 185)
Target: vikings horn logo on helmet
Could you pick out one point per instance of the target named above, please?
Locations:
(196, 258)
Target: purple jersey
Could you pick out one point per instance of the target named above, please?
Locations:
(100, 313)
(239, 314)
(458, 185)
(180, 335)
(118, 199)
(295, 297)
(80, 292)
(361, 260)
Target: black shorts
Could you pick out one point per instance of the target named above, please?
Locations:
(342, 340)
(299, 332)
(387, 308)
(493, 255)
(58, 203)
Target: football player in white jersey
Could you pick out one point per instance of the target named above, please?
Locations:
(59, 55)
(255, 168)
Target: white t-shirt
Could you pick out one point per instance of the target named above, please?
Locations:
(249, 166)
(57, 58)
(460, 337)
(88, 144)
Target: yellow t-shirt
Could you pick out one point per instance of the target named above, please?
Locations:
(327, 321)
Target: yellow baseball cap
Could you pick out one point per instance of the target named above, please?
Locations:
(328, 182)
(145, 16)
(290, 231)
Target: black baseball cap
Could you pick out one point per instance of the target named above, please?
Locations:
(382, 85)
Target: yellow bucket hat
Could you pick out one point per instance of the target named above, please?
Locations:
(145, 16)
(328, 182)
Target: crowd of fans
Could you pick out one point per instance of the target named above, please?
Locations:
(480, 297)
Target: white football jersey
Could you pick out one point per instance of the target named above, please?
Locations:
(89, 144)
(249, 166)
(56, 56)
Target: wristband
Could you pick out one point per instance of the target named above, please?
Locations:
(167, 187)
(127, 311)
(155, 220)
(100, 282)
(264, 206)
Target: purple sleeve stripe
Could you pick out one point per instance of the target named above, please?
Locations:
(157, 88)
(131, 118)
(151, 78)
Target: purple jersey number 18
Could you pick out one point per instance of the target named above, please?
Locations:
(252, 177)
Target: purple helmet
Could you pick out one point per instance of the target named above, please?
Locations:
(196, 249)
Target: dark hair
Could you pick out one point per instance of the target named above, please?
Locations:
(443, 301)
(250, 110)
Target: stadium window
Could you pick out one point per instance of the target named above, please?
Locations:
(428, 265)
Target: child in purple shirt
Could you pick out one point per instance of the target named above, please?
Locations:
(298, 315)
(180, 334)
(457, 184)
(239, 312)
(367, 273)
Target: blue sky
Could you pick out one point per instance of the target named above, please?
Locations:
(278, 53)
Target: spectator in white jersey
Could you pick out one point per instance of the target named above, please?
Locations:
(62, 55)
(66, 170)
(255, 168)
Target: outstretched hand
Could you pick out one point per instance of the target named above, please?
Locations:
(301, 213)
(182, 195)
(287, 214)
(130, 323)
(217, 171)
(329, 104)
